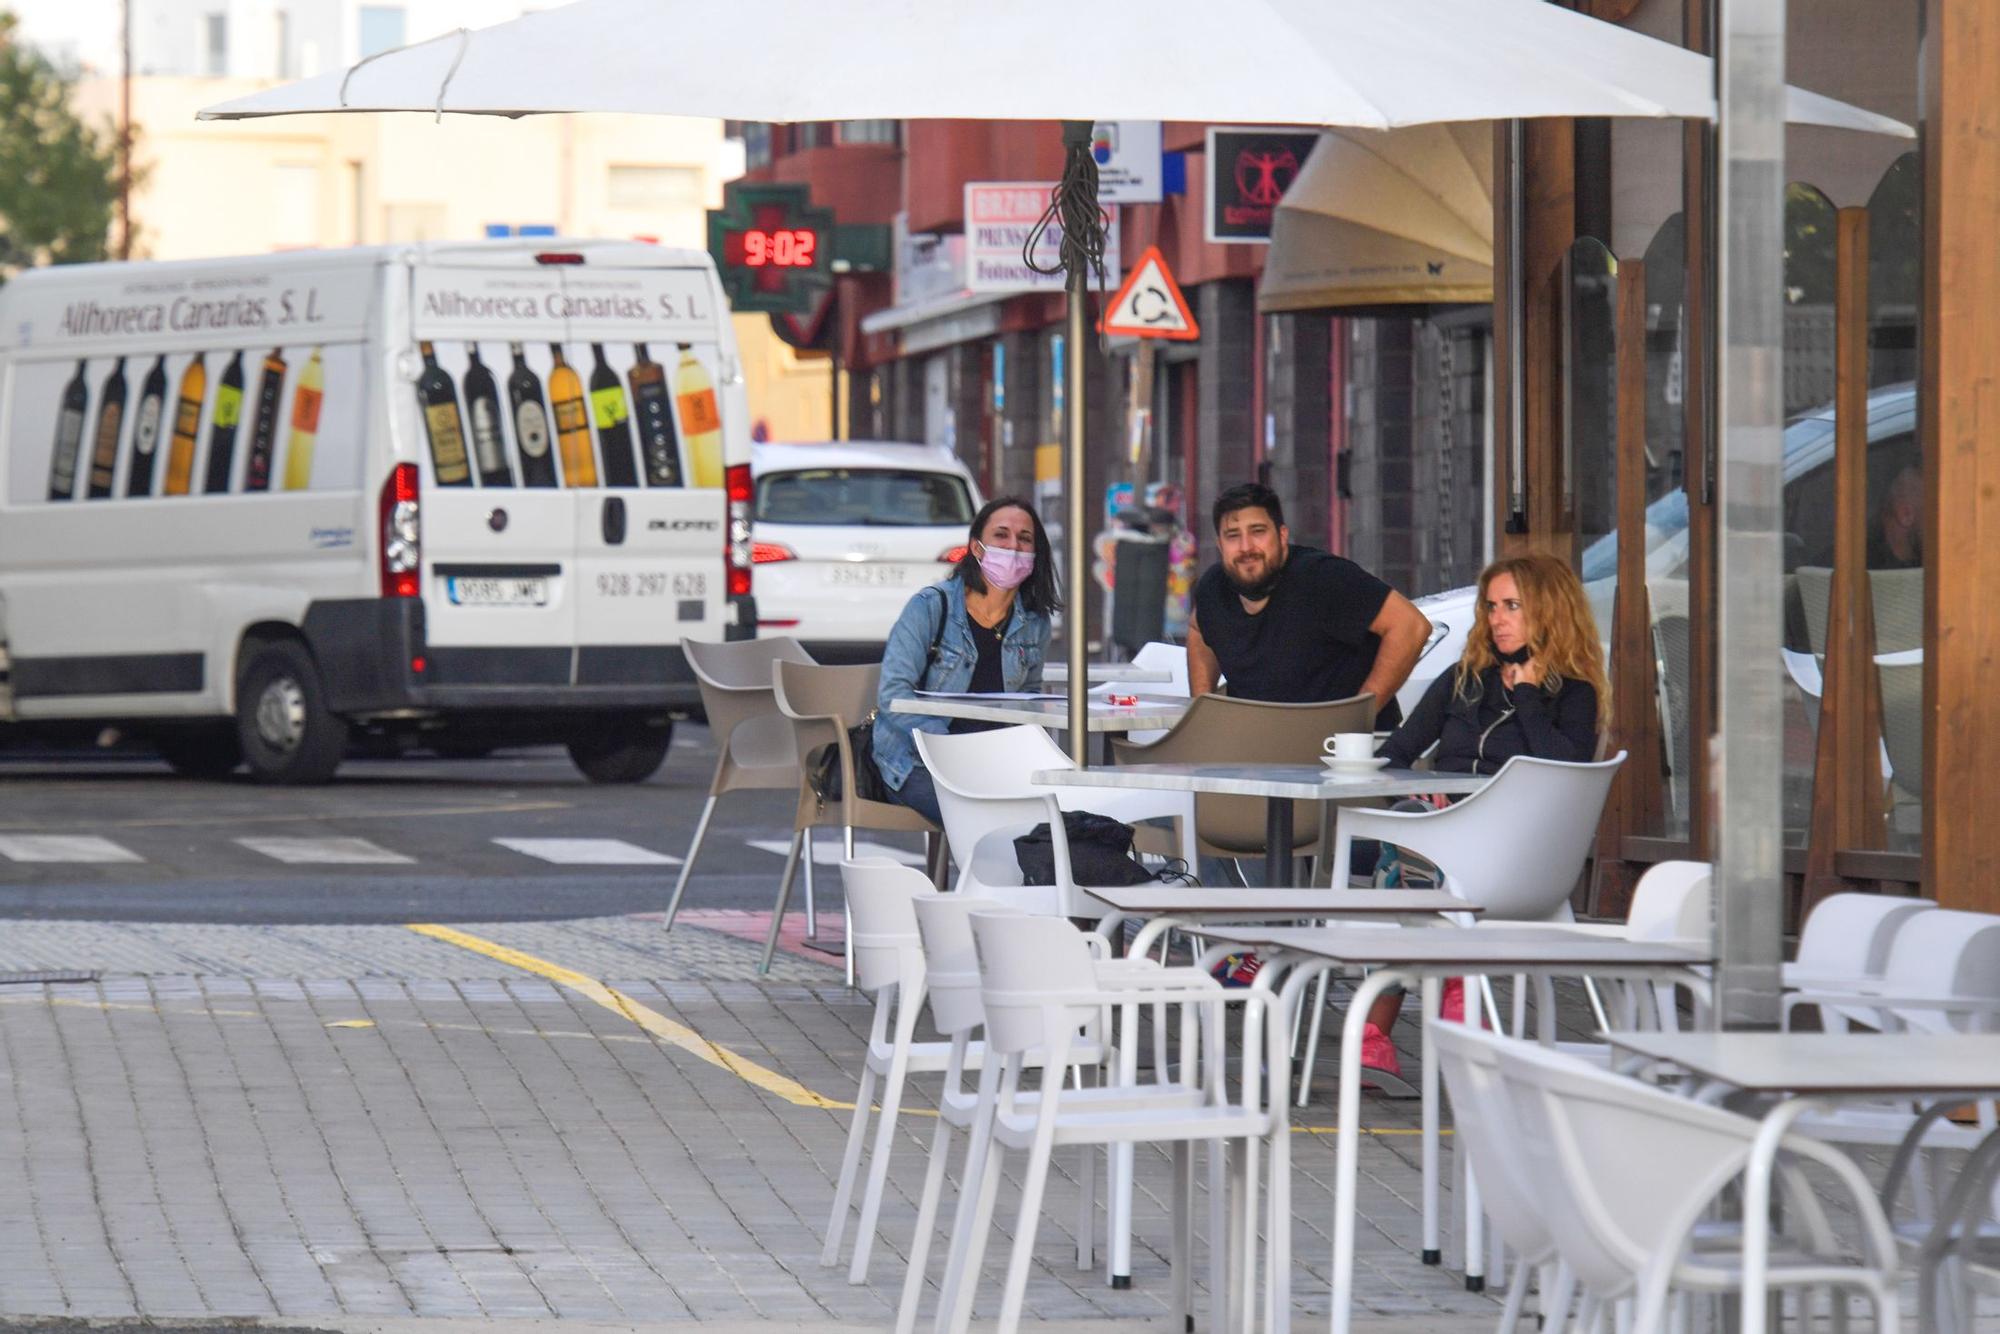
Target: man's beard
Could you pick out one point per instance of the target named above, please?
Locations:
(1261, 589)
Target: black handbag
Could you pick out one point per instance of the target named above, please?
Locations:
(1100, 852)
(826, 778)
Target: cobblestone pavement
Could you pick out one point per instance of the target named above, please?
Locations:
(356, 1124)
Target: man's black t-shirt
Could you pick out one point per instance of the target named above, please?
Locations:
(1310, 643)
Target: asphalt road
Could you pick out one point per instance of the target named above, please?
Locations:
(158, 847)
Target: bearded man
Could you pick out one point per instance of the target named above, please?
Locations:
(1296, 625)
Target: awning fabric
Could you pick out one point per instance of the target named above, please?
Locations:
(1393, 217)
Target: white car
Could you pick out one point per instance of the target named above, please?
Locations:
(843, 534)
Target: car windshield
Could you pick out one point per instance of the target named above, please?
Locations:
(865, 497)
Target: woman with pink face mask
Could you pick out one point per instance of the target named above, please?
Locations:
(983, 629)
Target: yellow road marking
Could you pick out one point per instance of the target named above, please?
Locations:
(655, 1023)
(661, 1027)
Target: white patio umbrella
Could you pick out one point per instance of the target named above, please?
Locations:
(1312, 62)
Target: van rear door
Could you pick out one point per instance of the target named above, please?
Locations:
(650, 562)
(499, 530)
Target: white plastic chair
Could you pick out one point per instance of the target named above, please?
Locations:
(1844, 945)
(1942, 975)
(1159, 657)
(753, 741)
(1039, 990)
(1624, 1220)
(1485, 1131)
(888, 964)
(1514, 848)
(958, 1011)
(988, 798)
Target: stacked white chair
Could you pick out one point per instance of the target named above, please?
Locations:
(958, 1011)
(1625, 1222)
(1040, 989)
(1844, 946)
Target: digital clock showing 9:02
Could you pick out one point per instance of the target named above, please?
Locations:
(780, 248)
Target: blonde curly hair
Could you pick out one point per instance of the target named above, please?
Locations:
(1562, 634)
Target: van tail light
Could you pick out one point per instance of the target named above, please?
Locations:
(736, 545)
(953, 555)
(402, 538)
(770, 553)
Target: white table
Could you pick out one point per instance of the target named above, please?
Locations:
(1172, 905)
(1279, 784)
(1809, 1071)
(1424, 958)
(1151, 712)
(1056, 672)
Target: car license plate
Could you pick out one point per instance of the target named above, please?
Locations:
(489, 591)
(867, 575)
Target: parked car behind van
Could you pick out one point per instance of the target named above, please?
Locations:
(477, 492)
(845, 533)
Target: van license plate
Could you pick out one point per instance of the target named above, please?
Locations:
(867, 576)
(486, 591)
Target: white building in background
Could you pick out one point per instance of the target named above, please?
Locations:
(249, 187)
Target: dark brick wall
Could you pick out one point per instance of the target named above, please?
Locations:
(1224, 430)
(1296, 397)
(1418, 511)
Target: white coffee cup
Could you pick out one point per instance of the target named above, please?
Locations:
(1350, 745)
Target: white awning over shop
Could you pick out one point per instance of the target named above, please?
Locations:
(1386, 218)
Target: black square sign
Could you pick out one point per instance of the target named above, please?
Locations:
(1249, 171)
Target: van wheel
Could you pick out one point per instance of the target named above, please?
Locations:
(201, 752)
(282, 720)
(621, 751)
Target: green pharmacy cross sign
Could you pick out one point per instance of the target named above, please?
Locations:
(772, 247)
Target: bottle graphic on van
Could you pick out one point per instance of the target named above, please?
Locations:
(187, 424)
(306, 400)
(110, 425)
(264, 430)
(146, 431)
(442, 422)
(654, 417)
(572, 423)
(531, 421)
(614, 428)
(701, 424)
(222, 427)
(482, 405)
(69, 436)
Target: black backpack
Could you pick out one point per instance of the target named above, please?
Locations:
(1100, 852)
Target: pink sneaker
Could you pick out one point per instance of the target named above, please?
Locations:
(1378, 1053)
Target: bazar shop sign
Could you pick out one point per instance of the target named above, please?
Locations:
(999, 217)
(1248, 171)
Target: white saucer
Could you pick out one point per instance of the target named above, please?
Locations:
(1367, 766)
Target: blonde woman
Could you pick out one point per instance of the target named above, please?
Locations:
(1531, 680)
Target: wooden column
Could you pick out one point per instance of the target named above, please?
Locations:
(1634, 806)
(1847, 804)
(1698, 431)
(1960, 420)
(1548, 206)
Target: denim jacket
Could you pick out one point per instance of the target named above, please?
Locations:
(907, 667)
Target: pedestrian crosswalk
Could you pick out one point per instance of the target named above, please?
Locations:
(290, 850)
(63, 848)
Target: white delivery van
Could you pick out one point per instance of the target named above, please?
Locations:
(480, 492)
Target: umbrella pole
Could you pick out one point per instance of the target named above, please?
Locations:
(1077, 570)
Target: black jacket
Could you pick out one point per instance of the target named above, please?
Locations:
(1479, 735)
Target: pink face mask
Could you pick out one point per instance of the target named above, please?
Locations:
(1005, 569)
